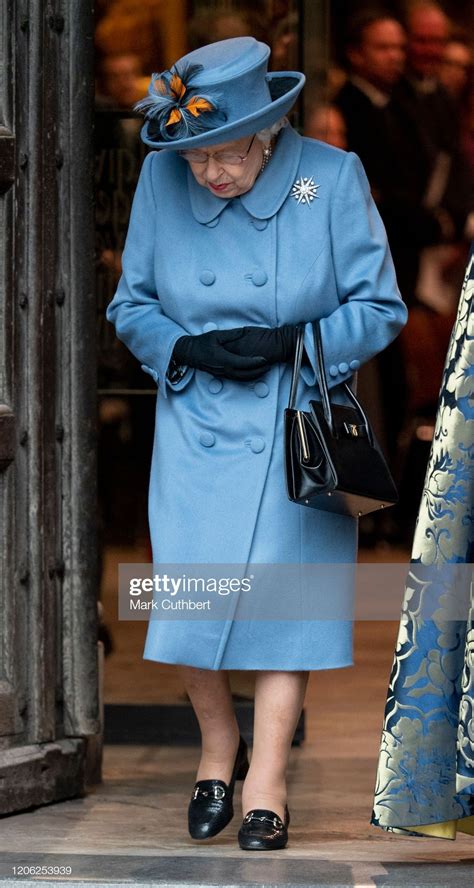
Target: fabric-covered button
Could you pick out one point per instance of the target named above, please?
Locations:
(333, 370)
(207, 439)
(257, 444)
(260, 224)
(259, 277)
(261, 389)
(213, 222)
(207, 277)
(343, 367)
(354, 365)
(209, 326)
(215, 386)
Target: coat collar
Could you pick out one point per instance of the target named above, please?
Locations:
(269, 191)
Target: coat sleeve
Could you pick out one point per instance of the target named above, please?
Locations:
(371, 311)
(135, 309)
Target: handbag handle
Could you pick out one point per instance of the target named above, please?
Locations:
(296, 367)
(323, 385)
(318, 348)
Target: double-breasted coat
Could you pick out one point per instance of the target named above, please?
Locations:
(195, 262)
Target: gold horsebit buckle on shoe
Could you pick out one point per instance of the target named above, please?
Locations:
(217, 791)
(277, 823)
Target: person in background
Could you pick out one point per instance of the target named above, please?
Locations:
(284, 39)
(455, 72)
(136, 27)
(119, 84)
(428, 29)
(383, 137)
(444, 195)
(120, 79)
(226, 24)
(326, 123)
(455, 75)
(447, 190)
(375, 55)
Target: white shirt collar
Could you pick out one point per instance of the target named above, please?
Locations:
(375, 95)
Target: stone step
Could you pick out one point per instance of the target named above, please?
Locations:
(245, 870)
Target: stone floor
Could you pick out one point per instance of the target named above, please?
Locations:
(131, 829)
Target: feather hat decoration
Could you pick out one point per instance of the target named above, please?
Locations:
(175, 109)
(215, 94)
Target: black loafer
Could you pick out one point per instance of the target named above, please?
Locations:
(263, 830)
(211, 806)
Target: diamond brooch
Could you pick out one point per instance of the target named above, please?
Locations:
(304, 190)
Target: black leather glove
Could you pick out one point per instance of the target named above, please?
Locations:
(210, 352)
(276, 344)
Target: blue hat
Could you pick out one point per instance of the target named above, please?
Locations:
(217, 93)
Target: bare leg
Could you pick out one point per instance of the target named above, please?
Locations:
(279, 698)
(211, 698)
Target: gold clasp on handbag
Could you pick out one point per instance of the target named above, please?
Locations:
(302, 434)
(352, 429)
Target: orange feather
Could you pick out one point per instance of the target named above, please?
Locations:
(177, 86)
(175, 115)
(196, 106)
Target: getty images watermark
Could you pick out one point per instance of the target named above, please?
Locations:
(295, 591)
(173, 592)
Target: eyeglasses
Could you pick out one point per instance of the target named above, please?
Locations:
(225, 157)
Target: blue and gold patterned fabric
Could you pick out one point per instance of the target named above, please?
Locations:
(425, 777)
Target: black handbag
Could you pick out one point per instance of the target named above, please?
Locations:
(332, 458)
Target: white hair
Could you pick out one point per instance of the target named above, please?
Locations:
(265, 134)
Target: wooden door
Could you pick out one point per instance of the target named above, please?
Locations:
(48, 577)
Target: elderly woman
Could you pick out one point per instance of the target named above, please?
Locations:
(240, 231)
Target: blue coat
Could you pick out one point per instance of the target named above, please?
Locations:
(195, 262)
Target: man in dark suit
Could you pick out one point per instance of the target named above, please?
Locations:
(389, 148)
(421, 94)
(406, 137)
(386, 135)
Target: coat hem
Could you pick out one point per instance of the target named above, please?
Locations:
(239, 667)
